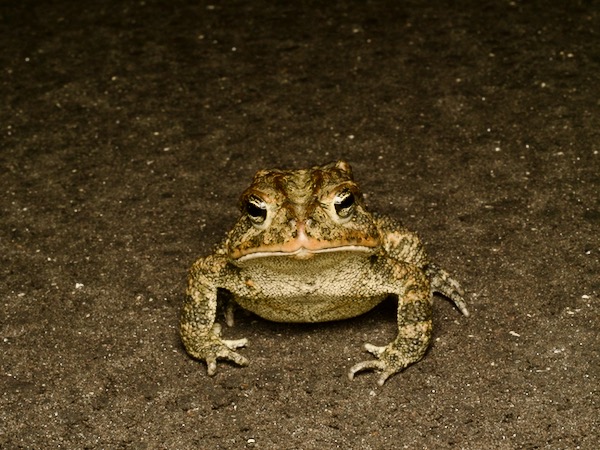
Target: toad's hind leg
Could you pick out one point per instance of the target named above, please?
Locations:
(442, 282)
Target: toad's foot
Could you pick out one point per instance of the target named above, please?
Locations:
(390, 360)
(211, 347)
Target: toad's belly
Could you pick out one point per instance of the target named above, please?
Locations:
(330, 286)
(309, 308)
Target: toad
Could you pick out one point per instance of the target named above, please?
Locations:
(306, 249)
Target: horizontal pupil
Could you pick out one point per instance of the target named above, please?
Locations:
(346, 199)
(255, 208)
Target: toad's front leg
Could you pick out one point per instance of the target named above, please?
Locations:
(414, 326)
(199, 333)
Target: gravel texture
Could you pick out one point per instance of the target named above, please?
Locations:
(128, 130)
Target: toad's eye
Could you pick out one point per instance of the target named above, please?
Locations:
(256, 208)
(344, 204)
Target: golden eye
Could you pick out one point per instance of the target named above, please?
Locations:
(344, 204)
(256, 209)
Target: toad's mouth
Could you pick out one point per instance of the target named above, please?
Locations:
(300, 253)
(305, 247)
